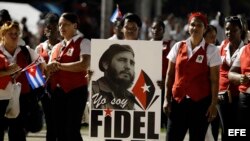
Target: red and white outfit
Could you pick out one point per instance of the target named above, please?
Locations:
(194, 63)
(227, 61)
(191, 91)
(20, 59)
(18, 126)
(66, 53)
(4, 80)
(69, 89)
(243, 61)
(5, 85)
(44, 49)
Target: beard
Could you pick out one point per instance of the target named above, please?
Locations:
(112, 75)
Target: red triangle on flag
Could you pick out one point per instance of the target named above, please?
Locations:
(32, 70)
(138, 91)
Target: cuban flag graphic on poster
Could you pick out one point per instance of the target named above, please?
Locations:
(116, 15)
(35, 76)
(144, 91)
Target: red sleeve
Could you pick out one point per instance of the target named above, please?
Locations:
(3, 62)
(5, 79)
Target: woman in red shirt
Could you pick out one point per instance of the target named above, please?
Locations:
(9, 33)
(192, 83)
(68, 66)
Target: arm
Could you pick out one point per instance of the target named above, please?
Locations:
(78, 66)
(236, 77)
(12, 69)
(170, 81)
(84, 62)
(170, 77)
(214, 78)
(214, 81)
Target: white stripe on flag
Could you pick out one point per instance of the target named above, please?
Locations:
(114, 16)
(33, 80)
(39, 79)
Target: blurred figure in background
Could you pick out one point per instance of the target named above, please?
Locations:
(169, 26)
(157, 30)
(218, 22)
(40, 29)
(177, 34)
(44, 49)
(228, 96)
(244, 27)
(117, 29)
(213, 130)
(4, 16)
(210, 35)
(25, 33)
(131, 25)
(144, 32)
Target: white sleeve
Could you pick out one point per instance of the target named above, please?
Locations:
(52, 52)
(173, 52)
(236, 62)
(213, 56)
(38, 49)
(34, 56)
(85, 47)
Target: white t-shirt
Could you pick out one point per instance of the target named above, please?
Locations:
(237, 59)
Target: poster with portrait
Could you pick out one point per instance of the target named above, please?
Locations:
(125, 100)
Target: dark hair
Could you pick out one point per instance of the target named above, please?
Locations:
(111, 51)
(131, 17)
(160, 22)
(235, 20)
(117, 23)
(73, 18)
(4, 16)
(209, 29)
(51, 18)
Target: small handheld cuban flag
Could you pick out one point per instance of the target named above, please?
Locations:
(35, 76)
(116, 15)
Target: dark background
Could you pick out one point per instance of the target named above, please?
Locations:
(89, 11)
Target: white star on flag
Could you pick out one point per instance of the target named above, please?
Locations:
(145, 87)
(32, 70)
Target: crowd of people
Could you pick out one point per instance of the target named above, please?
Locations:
(205, 73)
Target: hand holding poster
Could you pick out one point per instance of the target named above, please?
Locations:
(125, 99)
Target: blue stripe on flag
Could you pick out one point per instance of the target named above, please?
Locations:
(40, 76)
